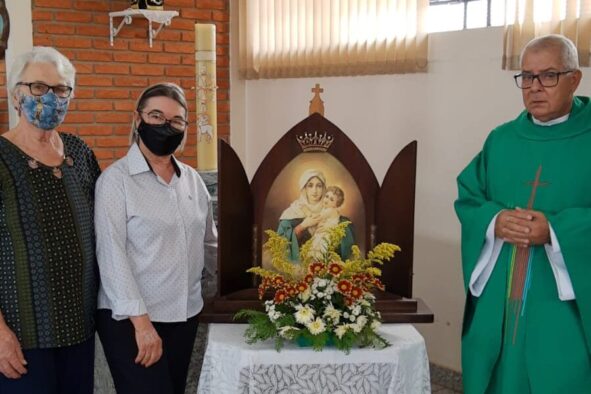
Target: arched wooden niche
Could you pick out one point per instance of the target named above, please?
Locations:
(378, 214)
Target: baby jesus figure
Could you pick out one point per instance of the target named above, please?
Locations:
(329, 217)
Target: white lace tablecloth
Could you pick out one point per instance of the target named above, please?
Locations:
(230, 365)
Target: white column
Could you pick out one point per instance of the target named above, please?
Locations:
(20, 40)
(238, 138)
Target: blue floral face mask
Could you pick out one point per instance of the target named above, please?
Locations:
(45, 112)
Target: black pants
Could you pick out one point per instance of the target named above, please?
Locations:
(67, 369)
(167, 376)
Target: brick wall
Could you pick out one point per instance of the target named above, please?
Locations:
(110, 78)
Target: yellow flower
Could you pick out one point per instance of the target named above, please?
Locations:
(383, 251)
(316, 327)
(374, 271)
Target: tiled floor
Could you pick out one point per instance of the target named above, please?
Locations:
(437, 389)
(445, 381)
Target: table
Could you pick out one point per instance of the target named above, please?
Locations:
(230, 365)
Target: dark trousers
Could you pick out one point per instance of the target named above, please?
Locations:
(167, 376)
(65, 370)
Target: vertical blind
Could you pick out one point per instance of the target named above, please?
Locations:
(306, 38)
(534, 18)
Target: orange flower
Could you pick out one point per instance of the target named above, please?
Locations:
(315, 268)
(378, 283)
(348, 301)
(290, 290)
(278, 281)
(335, 269)
(344, 286)
(308, 278)
(358, 278)
(356, 292)
(301, 287)
(280, 296)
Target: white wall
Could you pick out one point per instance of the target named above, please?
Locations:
(448, 110)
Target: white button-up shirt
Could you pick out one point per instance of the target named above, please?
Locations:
(154, 240)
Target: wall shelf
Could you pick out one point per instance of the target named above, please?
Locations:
(162, 18)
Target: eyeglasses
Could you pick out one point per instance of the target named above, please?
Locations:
(40, 88)
(157, 118)
(547, 79)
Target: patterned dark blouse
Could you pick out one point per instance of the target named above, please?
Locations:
(48, 272)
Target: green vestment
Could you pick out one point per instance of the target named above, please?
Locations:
(550, 350)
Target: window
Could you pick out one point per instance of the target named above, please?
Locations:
(447, 15)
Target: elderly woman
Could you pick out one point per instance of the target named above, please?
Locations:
(299, 221)
(48, 279)
(155, 236)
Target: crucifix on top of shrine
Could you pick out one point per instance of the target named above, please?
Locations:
(316, 104)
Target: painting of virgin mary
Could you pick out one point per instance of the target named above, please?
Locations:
(297, 202)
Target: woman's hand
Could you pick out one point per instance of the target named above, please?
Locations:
(12, 360)
(148, 341)
(310, 221)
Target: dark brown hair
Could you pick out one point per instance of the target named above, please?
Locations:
(162, 89)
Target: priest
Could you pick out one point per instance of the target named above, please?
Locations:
(525, 209)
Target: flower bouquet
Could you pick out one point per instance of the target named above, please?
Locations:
(322, 300)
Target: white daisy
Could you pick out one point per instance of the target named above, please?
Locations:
(305, 295)
(332, 313)
(361, 321)
(286, 332)
(304, 314)
(375, 325)
(316, 327)
(341, 330)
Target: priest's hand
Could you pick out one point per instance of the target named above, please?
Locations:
(539, 233)
(513, 226)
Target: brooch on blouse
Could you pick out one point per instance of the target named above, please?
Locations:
(56, 171)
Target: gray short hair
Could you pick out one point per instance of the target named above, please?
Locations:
(64, 67)
(568, 51)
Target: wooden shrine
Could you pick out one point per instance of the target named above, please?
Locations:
(379, 213)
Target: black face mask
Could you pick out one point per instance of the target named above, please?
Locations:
(161, 140)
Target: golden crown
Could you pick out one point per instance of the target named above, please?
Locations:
(315, 142)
